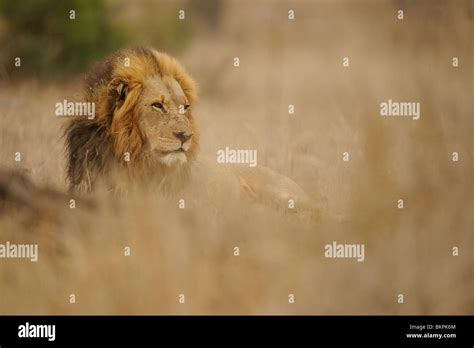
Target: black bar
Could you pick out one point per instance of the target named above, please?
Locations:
(140, 330)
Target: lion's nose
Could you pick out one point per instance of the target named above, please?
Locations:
(184, 137)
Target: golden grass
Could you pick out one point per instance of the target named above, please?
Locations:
(190, 251)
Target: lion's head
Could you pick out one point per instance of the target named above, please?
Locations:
(144, 118)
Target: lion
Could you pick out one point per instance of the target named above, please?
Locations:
(144, 130)
(143, 124)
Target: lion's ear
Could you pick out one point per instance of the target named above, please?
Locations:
(122, 91)
(119, 88)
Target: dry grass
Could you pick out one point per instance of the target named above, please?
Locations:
(190, 251)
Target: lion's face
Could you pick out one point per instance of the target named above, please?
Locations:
(144, 125)
(165, 121)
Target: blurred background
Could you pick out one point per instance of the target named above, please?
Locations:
(282, 62)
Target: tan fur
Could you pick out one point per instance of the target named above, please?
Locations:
(124, 88)
(126, 123)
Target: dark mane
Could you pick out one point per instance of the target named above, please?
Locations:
(93, 145)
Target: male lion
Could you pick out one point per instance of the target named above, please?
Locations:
(143, 125)
(144, 130)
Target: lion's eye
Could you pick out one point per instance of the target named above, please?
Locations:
(186, 106)
(157, 106)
